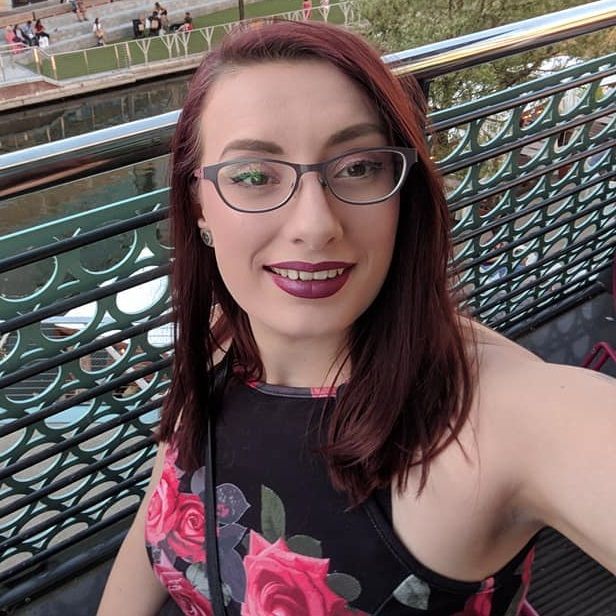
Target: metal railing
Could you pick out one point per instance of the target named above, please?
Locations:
(84, 313)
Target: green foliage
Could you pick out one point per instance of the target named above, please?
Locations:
(395, 25)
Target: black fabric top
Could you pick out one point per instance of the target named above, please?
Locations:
(288, 542)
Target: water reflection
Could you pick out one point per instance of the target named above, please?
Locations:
(81, 195)
(30, 127)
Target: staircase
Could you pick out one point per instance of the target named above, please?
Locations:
(68, 34)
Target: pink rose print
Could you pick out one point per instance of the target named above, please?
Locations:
(527, 567)
(188, 533)
(525, 609)
(188, 598)
(480, 604)
(281, 582)
(162, 511)
(171, 455)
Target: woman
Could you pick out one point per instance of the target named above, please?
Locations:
(374, 452)
(324, 8)
(80, 11)
(99, 32)
(42, 36)
(11, 39)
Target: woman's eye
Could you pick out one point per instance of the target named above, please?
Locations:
(360, 169)
(252, 177)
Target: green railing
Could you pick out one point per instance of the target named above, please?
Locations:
(85, 331)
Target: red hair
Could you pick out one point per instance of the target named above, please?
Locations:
(411, 386)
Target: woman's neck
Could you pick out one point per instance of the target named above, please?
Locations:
(305, 362)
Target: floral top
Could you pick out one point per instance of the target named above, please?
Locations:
(288, 545)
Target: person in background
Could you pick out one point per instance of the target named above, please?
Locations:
(28, 34)
(12, 40)
(325, 9)
(164, 21)
(307, 9)
(139, 26)
(81, 11)
(154, 29)
(18, 37)
(187, 25)
(99, 32)
(41, 35)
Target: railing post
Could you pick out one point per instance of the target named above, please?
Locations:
(129, 58)
(37, 59)
(85, 59)
(54, 68)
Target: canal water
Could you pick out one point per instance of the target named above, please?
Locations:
(59, 120)
(25, 128)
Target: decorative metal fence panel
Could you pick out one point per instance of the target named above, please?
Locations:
(86, 332)
(531, 181)
(85, 339)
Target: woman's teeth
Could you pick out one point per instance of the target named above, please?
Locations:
(301, 275)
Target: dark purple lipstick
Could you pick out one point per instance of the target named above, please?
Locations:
(311, 289)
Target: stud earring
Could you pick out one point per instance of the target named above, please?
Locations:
(206, 236)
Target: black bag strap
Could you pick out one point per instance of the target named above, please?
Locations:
(211, 544)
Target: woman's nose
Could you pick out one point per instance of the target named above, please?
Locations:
(314, 213)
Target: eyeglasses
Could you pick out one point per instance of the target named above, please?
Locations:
(358, 177)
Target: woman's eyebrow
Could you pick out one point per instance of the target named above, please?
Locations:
(354, 131)
(346, 134)
(253, 145)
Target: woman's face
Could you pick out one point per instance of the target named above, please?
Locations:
(302, 112)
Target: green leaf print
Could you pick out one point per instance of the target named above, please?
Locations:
(413, 592)
(303, 544)
(197, 576)
(346, 586)
(272, 515)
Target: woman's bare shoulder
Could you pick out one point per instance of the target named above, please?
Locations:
(517, 383)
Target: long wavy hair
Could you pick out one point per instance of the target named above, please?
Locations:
(412, 380)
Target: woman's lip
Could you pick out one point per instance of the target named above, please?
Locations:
(311, 289)
(304, 266)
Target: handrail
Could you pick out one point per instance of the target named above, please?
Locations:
(68, 159)
(101, 150)
(432, 60)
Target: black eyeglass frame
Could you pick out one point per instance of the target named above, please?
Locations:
(210, 172)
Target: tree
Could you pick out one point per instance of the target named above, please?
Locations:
(395, 25)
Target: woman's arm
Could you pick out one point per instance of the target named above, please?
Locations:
(569, 430)
(132, 588)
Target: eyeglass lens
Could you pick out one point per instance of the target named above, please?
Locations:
(359, 177)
